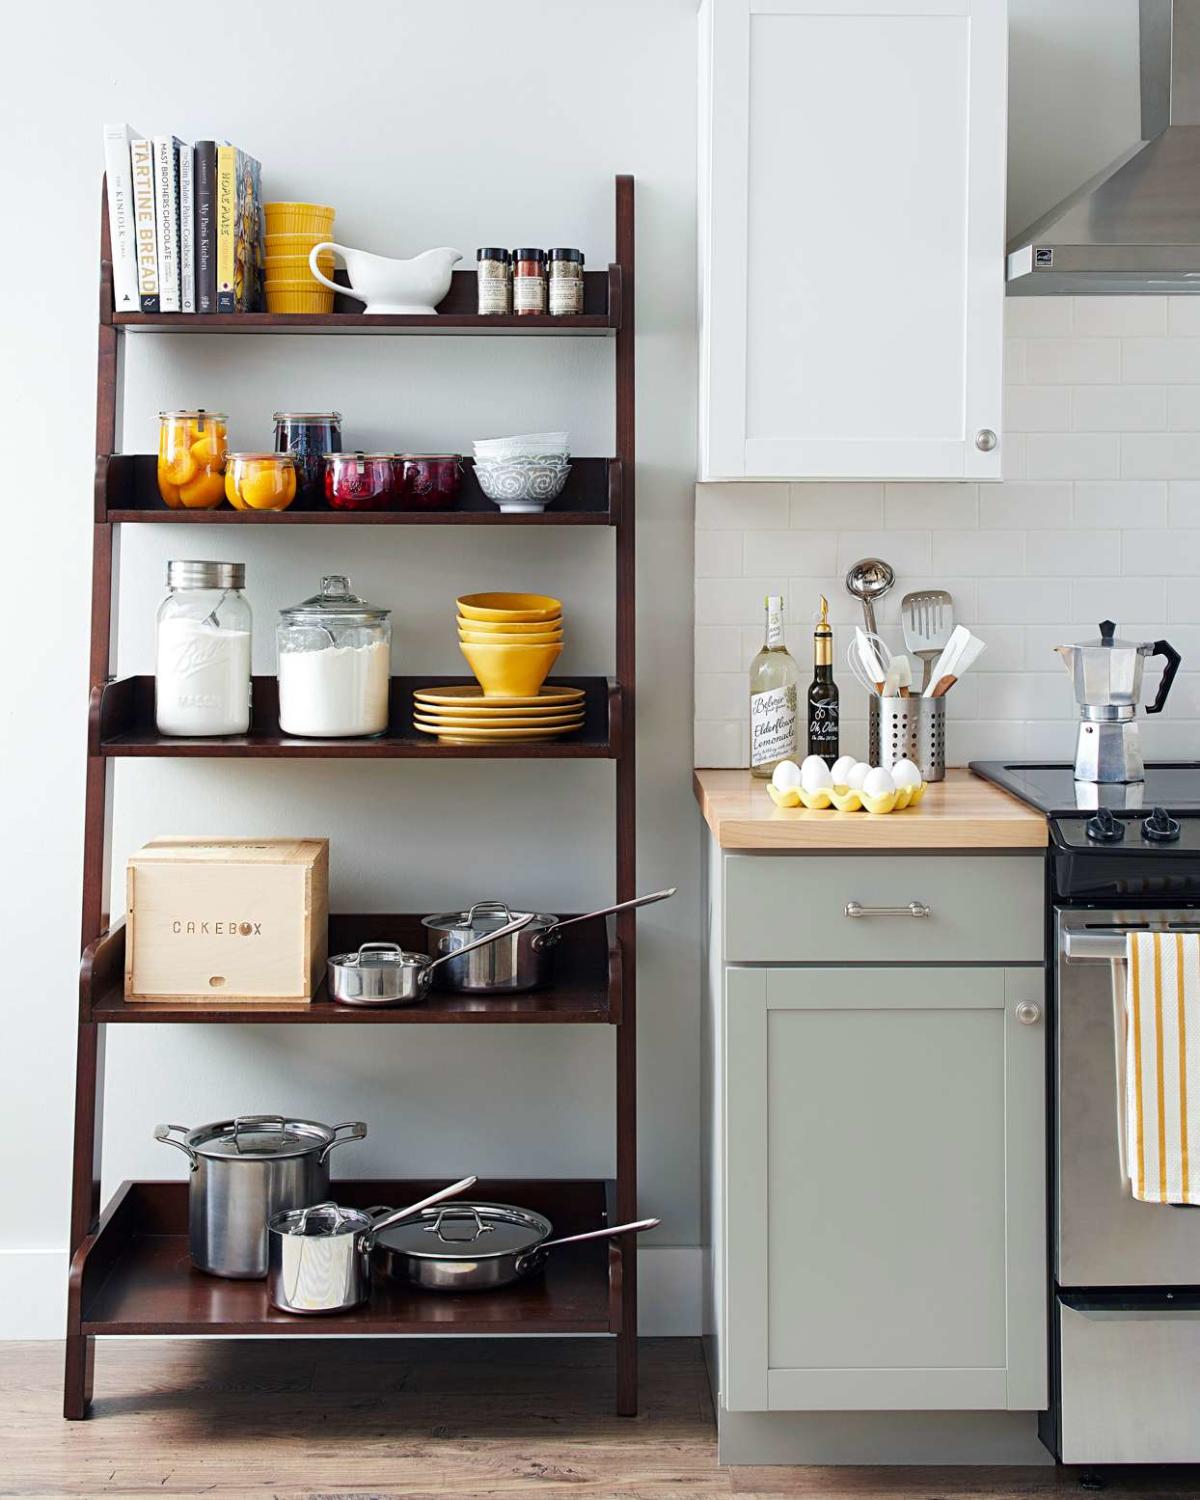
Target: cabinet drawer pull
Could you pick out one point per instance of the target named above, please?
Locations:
(913, 909)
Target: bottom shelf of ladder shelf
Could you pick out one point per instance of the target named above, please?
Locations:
(133, 1274)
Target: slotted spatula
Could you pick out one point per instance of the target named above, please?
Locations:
(928, 618)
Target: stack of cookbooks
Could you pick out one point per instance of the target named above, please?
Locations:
(184, 223)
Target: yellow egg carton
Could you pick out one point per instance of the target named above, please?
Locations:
(848, 799)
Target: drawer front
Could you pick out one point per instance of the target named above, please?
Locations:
(793, 909)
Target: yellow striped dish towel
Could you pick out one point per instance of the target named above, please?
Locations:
(1162, 1066)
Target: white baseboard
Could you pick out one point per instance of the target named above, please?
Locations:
(33, 1292)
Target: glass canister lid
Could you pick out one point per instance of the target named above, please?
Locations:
(194, 416)
(336, 601)
(259, 1136)
(334, 417)
(195, 573)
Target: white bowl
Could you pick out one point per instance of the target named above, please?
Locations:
(533, 485)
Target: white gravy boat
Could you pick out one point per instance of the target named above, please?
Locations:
(391, 286)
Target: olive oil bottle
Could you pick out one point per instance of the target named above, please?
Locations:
(823, 693)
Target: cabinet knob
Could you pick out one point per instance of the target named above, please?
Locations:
(1028, 1013)
(985, 440)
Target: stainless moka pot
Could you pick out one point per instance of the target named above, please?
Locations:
(1108, 684)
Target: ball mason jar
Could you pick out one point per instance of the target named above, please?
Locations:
(202, 651)
(334, 665)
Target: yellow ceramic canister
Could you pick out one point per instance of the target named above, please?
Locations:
(192, 447)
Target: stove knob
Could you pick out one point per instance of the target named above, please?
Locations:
(1161, 827)
(1103, 828)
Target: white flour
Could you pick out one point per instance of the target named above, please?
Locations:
(201, 679)
(335, 693)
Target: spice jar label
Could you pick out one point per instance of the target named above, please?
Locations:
(529, 294)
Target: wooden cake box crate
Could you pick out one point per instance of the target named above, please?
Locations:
(246, 918)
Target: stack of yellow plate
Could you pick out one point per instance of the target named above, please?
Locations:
(461, 715)
(510, 640)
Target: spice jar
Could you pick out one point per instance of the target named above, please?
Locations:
(260, 481)
(191, 458)
(308, 436)
(361, 481)
(334, 665)
(529, 282)
(429, 481)
(202, 651)
(494, 275)
(565, 283)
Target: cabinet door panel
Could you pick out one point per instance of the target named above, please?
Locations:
(852, 238)
(886, 1167)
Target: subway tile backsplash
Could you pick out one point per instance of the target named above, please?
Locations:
(1098, 515)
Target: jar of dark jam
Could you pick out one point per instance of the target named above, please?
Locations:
(429, 481)
(361, 481)
(308, 436)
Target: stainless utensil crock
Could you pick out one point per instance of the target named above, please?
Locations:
(243, 1171)
(320, 1256)
(384, 974)
(520, 961)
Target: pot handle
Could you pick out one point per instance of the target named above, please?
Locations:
(514, 926)
(163, 1133)
(1164, 648)
(394, 1216)
(548, 938)
(356, 1130)
(534, 1255)
(313, 256)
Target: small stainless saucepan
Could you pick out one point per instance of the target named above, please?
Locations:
(469, 1247)
(384, 974)
(320, 1256)
(521, 961)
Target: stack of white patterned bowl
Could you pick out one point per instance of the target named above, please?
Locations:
(523, 473)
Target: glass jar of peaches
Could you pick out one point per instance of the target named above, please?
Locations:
(260, 481)
(192, 446)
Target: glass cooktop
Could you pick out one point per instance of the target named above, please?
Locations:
(1051, 787)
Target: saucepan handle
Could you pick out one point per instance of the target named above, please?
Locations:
(533, 1257)
(1164, 648)
(163, 1133)
(548, 938)
(394, 1216)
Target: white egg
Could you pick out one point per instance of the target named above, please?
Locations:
(879, 782)
(814, 774)
(841, 769)
(906, 773)
(857, 774)
(786, 776)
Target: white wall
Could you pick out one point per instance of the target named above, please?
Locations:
(459, 123)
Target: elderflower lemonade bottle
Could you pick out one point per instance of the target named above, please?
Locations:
(774, 676)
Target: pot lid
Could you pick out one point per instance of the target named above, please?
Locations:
(472, 1231)
(320, 1219)
(380, 956)
(259, 1136)
(1108, 640)
(336, 601)
(486, 916)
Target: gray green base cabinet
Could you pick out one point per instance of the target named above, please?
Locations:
(876, 1146)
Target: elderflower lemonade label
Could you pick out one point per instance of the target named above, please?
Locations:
(772, 725)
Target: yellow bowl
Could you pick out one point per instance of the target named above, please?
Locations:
(510, 671)
(298, 297)
(293, 265)
(492, 628)
(298, 218)
(480, 638)
(500, 608)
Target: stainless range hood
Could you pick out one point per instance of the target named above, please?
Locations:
(1135, 227)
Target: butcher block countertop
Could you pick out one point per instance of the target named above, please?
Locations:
(962, 812)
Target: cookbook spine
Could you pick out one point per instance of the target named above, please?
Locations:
(166, 213)
(141, 155)
(206, 226)
(118, 173)
(187, 230)
(227, 180)
(251, 226)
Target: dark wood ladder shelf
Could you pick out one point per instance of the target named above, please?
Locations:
(130, 1271)
(585, 988)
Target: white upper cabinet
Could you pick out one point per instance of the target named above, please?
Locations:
(852, 177)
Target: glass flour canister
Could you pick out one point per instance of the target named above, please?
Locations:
(308, 436)
(334, 665)
(202, 651)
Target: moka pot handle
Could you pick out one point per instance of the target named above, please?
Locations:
(1164, 648)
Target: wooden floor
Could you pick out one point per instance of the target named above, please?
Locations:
(383, 1419)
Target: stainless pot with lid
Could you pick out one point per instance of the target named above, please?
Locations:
(469, 1247)
(245, 1170)
(384, 974)
(320, 1256)
(521, 961)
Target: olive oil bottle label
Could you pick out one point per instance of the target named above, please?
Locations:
(772, 725)
(823, 730)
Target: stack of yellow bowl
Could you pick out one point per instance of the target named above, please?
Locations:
(510, 641)
(292, 229)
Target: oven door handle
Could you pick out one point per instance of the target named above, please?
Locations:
(1083, 945)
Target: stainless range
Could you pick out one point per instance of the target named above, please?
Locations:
(1125, 1309)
